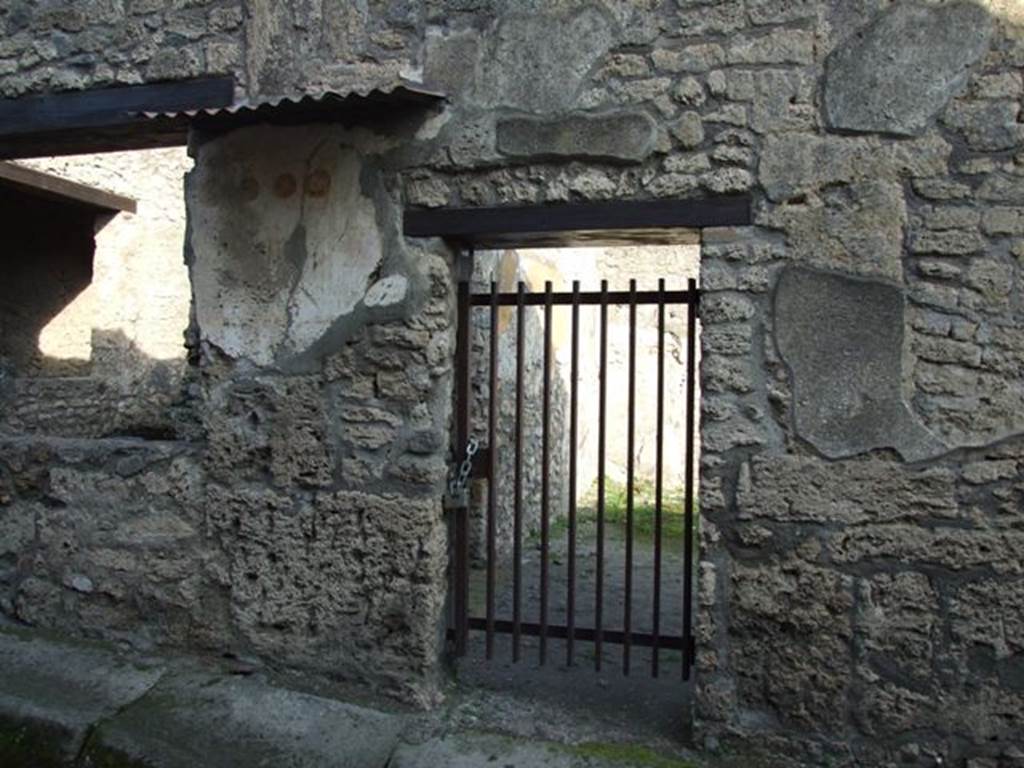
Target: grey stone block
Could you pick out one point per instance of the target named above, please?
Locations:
(895, 76)
(842, 339)
(539, 61)
(624, 137)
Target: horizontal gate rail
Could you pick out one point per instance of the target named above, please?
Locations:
(561, 632)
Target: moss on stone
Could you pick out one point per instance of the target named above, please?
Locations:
(628, 754)
(23, 745)
(104, 757)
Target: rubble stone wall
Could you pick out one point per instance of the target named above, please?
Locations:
(861, 439)
(324, 345)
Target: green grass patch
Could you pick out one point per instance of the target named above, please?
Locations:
(615, 503)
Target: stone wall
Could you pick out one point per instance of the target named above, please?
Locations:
(270, 48)
(106, 538)
(50, 247)
(507, 269)
(324, 347)
(295, 518)
(861, 359)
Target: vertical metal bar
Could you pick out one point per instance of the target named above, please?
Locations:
(545, 489)
(627, 618)
(517, 524)
(492, 463)
(658, 456)
(462, 429)
(601, 429)
(570, 598)
(691, 354)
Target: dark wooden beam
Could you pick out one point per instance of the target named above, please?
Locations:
(70, 110)
(604, 223)
(107, 119)
(52, 187)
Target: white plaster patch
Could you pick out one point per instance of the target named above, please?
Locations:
(284, 239)
(343, 248)
(386, 292)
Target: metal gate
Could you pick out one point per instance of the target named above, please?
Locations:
(467, 450)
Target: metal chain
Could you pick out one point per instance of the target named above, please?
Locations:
(458, 482)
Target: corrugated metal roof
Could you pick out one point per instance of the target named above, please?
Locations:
(161, 114)
(324, 102)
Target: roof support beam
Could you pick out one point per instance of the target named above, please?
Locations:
(106, 119)
(52, 187)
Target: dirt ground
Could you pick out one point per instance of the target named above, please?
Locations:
(579, 703)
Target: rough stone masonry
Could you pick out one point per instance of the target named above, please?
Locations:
(862, 438)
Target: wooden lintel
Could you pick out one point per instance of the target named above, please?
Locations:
(603, 223)
(55, 188)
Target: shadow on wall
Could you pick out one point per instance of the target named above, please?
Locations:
(51, 247)
(119, 389)
(93, 303)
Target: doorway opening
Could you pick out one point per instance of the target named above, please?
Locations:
(577, 387)
(556, 699)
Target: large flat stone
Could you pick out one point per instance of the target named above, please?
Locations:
(622, 136)
(801, 489)
(857, 228)
(52, 693)
(896, 75)
(794, 164)
(842, 339)
(212, 721)
(539, 61)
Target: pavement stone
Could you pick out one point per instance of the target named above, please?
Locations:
(53, 692)
(72, 704)
(212, 720)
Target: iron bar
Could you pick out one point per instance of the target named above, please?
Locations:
(627, 617)
(517, 524)
(658, 467)
(688, 553)
(565, 298)
(601, 434)
(545, 475)
(492, 453)
(462, 430)
(570, 598)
